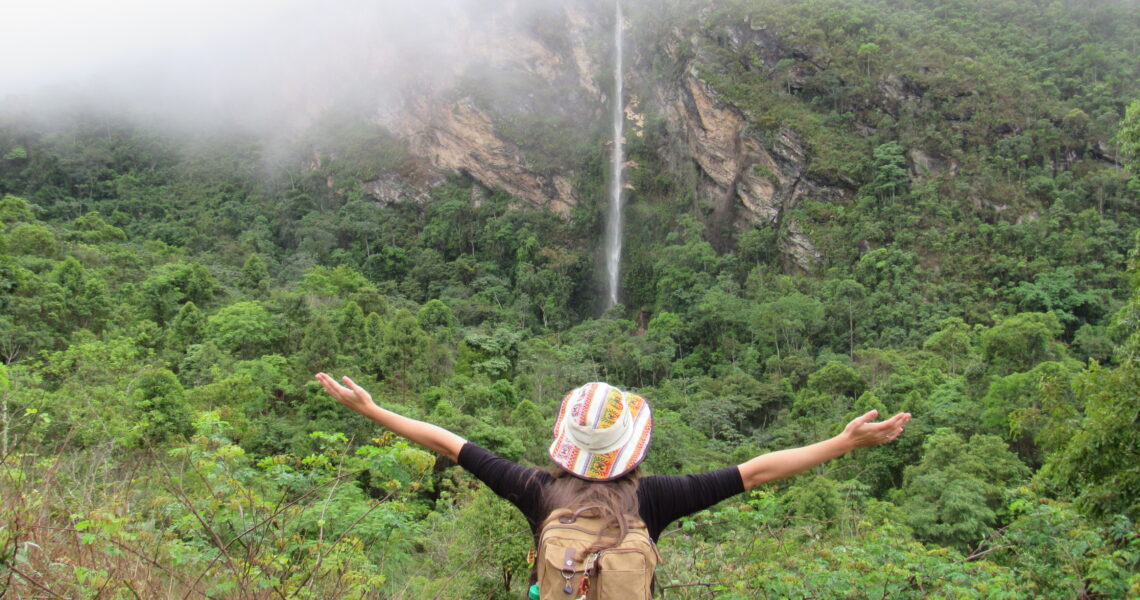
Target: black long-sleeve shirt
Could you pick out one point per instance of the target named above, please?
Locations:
(661, 499)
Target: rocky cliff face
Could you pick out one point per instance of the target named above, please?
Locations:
(744, 179)
(460, 122)
(460, 136)
(747, 176)
(552, 73)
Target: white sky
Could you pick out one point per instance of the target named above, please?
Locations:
(49, 42)
(261, 63)
(249, 60)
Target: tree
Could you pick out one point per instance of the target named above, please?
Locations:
(785, 67)
(200, 284)
(816, 500)
(187, 327)
(92, 229)
(405, 347)
(33, 239)
(546, 291)
(6, 418)
(837, 379)
(889, 169)
(350, 329)
(246, 329)
(1021, 341)
(91, 383)
(255, 276)
(14, 209)
(162, 411)
(1126, 322)
(337, 281)
(493, 355)
(684, 269)
(202, 363)
(437, 317)
(869, 52)
(790, 323)
(386, 264)
(1129, 134)
(479, 526)
(892, 279)
(953, 343)
(85, 295)
(1058, 291)
(846, 302)
(319, 346)
(1100, 464)
(531, 425)
(170, 285)
(374, 331)
(31, 307)
(1035, 410)
(954, 495)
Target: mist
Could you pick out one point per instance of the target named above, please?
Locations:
(269, 66)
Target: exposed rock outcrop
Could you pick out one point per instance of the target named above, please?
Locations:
(391, 187)
(745, 179)
(925, 164)
(462, 131)
(462, 137)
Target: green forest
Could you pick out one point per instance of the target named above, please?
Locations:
(166, 297)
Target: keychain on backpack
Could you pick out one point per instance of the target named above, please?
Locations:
(569, 589)
(584, 585)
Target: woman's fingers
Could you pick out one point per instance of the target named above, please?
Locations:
(867, 416)
(893, 427)
(894, 422)
(353, 396)
(334, 389)
(866, 433)
(361, 394)
(861, 421)
(899, 419)
(327, 382)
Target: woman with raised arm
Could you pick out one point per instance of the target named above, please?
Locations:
(594, 520)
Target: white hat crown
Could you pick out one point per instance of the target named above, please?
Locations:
(603, 439)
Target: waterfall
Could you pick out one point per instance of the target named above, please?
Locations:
(614, 216)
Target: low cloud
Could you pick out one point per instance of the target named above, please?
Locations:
(263, 63)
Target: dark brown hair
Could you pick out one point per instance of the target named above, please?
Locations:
(614, 502)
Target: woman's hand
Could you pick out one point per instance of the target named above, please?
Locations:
(860, 432)
(353, 396)
(430, 436)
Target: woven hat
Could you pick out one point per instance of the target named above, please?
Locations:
(601, 432)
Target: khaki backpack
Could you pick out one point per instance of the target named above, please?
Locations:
(623, 571)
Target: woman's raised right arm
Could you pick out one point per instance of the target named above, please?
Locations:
(432, 437)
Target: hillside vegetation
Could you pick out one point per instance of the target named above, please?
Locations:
(165, 300)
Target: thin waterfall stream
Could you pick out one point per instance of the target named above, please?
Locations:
(614, 216)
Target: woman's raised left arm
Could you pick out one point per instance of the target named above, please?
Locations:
(859, 433)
